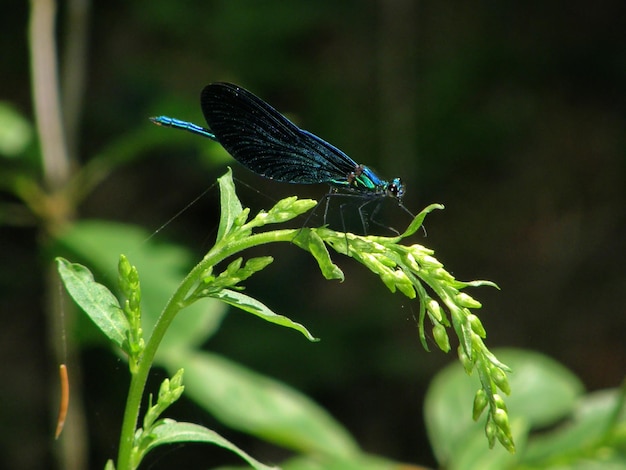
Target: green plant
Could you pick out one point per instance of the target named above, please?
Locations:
(410, 269)
(556, 425)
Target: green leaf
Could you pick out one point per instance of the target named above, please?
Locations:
(162, 267)
(261, 406)
(251, 305)
(585, 430)
(95, 299)
(169, 392)
(229, 204)
(234, 274)
(310, 241)
(172, 432)
(358, 462)
(419, 219)
(544, 393)
(16, 132)
(284, 210)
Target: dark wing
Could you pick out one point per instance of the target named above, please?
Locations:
(266, 142)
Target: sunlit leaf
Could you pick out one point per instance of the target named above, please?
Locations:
(171, 432)
(95, 299)
(264, 407)
(229, 203)
(251, 305)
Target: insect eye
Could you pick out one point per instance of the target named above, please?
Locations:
(396, 189)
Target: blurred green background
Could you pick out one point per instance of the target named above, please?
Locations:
(509, 113)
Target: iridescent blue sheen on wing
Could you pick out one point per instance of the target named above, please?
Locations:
(266, 142)
(269, 144)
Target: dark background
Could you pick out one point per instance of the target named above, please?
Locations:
(509, 113)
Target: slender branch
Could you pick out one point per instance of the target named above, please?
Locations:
(46, 99)
(73, 71)
(51, 204)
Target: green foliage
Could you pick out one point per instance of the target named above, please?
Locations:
(97, 301)
(579, 431)
(162, 266)
(241, 398)
(265, 407)
(16, 132)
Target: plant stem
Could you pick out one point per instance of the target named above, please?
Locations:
(44, 73)
(56, 211)
(75, 52)
(226, 248)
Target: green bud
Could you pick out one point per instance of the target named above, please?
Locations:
(468, 364)
(408, 290)
(284, 210)
(374, 264)
(283, 204)
(441, 337)
(303, 205)
(465, 300)
(177, 380)
(420, 250)
(385, 261)
(499, 402)
(233, 266)
(375, 247)
(490, 432)
(434, 309)
(135, 298)
(164, 389)
(123, 266)
(506, 439)
(500, 379)
(403, 283)
(136, 346)
(443, 275)
(241, 217)
(480, 403)
(128, 276)
(176, 385)
(430, 262)
(388, 280)
(257, 264)
(171, 389)
(501, 418)
(477, 326)
(409, 259)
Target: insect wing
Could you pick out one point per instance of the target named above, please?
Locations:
(266, 142)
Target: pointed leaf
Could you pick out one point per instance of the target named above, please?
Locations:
(455, 436)
(95, 299)
(161, 266)
(419, 218)
(586, 428)
(230, 206)
(362, 461)
(171, 432)
(261, 406)
(309, 240)
(250, 305)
